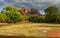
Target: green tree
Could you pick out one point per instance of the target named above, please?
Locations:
(12, 14)
(3, 17)
(51, 14)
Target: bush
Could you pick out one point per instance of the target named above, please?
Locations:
(51, 18)
(58, 19)
(25, 18)
(34, 18)
(42, 19)
(3, 17)
(10, 18)
(13, 18)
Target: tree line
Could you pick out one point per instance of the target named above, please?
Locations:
(11, 14)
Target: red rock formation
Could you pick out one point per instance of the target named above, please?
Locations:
(25, 11)
(34, 11)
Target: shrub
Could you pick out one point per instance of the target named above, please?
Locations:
(51, 18)
(58, 19)
(42, 19)
(3, 17)
(13, 18)
(34, 18)
(25, 18)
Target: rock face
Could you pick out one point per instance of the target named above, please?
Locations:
(25, 11)
(32, 11)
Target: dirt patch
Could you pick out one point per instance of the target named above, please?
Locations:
(54, 33)
(3, 24)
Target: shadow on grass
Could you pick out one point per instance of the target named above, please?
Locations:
(1, 36)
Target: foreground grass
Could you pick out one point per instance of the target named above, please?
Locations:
(28, 29)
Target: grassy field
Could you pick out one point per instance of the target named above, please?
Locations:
(30, 29)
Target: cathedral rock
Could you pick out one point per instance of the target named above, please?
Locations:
(33, 11)
(25, 11)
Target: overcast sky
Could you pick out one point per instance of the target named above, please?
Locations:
(39, 4)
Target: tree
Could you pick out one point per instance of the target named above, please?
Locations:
(12, 14)
(3, 17)
(51, 14)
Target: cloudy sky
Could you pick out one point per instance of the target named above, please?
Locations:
(39, 4)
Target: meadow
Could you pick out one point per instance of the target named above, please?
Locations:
(30, 29)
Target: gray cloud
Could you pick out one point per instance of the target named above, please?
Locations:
(40, 4)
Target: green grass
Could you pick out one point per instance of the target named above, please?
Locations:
(27, 29)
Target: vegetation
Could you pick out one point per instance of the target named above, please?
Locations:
(11, 14)
(51, 14)
(42, 19)
(30, 29)
(34, 18)
(39, 27)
